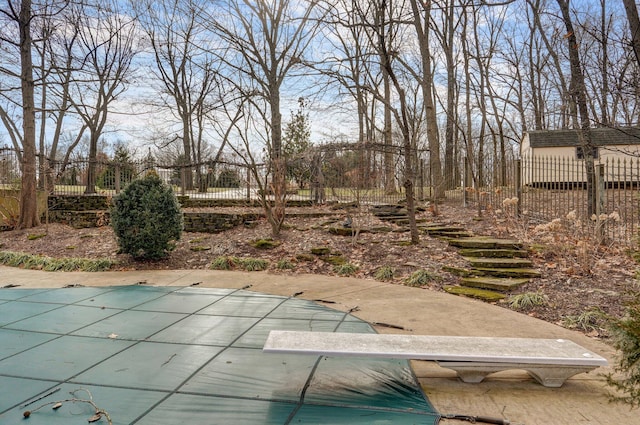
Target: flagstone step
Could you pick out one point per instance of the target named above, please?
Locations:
(459, 271)
(429, 224)
(497, 266)
(405, 221)
(483, 242)
(451, 234)
(509, 272)
(494, 253)
(499, 263)
(442, 228)
(397, 219)
(482, 294)
(494, 283)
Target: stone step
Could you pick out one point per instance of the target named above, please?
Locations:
(495, 283)
(451, 235)
(483, 242)
(499, 263)
(385, 209)
(442, 228)
(428, 224)
(404, 221)
(481, 294)
(345, 231)
(453, 232)
(393, 217)
(494, 253)
(458, 271)
(510, 272)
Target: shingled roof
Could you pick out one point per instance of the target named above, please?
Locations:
(599, 137)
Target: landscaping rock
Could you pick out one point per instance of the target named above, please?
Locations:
(321, 250)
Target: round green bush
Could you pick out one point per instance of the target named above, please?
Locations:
(146, 218)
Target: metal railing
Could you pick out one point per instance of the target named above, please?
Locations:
(548, 188)
(344, 175)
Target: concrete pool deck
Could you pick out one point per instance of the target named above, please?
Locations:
(509, 395)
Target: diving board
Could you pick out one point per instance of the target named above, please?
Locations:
(548, 361)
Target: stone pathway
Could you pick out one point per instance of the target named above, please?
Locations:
(496, 266)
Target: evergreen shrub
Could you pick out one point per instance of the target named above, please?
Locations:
(146, 218)
(626, 334)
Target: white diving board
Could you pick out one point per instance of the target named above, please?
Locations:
(549, 361)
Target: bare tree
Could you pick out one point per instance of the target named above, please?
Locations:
(28, 197)
(379, 20)
(551, 51)
(265, 42)
(402, 115)
(634, 26)
(102, 64)
(186, 70)
(22, 14)
(55, 50)
(445, 31)
(580, 96)
(421, 15)
(384, 11)
(349, 64)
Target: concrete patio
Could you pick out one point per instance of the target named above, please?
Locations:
(509, 395)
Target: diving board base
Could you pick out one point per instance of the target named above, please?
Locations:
(551, 376)
(549, 361)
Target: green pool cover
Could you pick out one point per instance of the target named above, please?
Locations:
(168, 355)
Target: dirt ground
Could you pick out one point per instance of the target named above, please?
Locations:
(582, 282)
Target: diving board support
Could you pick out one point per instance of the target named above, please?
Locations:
(549, 361)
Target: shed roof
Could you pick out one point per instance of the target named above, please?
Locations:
(599, 137)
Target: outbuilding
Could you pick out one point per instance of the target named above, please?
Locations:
(557, 156)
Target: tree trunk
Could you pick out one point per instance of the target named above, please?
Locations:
(403, 122)
(43, 162)
(579, 94)
(426, 83)
(276, 210)
(276, 119)
(186, 144)
(387, 141)
(449, 165)
(28, 194)
(569, 105)
(634, 25)
(389, 166)
(90, 188)
(278, 165)
(604, 91)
